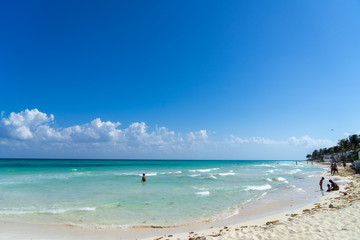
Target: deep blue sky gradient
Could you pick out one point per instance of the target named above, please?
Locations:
(248, 68)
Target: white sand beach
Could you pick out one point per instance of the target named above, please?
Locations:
(313, 221)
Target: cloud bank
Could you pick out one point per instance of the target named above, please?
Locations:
(304, 141)
(33, 133)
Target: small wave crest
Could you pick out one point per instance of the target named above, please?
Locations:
(281, 179)
(264, 165)
(295, 171)
(204, 170)
(227, 174)
(148, 174)
(194, 175)
(204, 193)
(177, 172)
(258, 188)
(22, 211)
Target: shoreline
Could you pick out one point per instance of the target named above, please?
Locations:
(294, 222)
(258, 214)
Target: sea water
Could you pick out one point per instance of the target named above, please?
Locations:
(109, 193)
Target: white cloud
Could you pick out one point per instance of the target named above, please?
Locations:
(32, 130)
(95, 131)
(253, 140)
(310, 142)
(304, 141)
(34, 127)
(200, 136)
(21, 125)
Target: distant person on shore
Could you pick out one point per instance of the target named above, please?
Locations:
(332, 169)
(335, 169)
(334, 186)
(143, 179)
(321, 183)
(329, 188)
(344, 164)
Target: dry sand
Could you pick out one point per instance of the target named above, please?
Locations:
(314, 221)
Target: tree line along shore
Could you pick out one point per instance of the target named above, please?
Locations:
(347, 150)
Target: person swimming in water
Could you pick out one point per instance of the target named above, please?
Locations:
(143, 179)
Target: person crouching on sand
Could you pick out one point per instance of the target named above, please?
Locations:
(143, 178)
(329, 188)
(321, 183)
(334, 186)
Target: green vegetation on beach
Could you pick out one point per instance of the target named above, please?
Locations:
(347, 149)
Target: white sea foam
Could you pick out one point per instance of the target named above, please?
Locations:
(148, 174)
(264, 165)
(281, 179)
(258, 188)
(227, 174)
(295, 171)
(262, 195)
(212, 176)
(270, 171)
(194, 175)
(205, 193)
(177, 172)
(268, 179)
(199, 188)
(22, 211)
(204, 170)
(285, 164)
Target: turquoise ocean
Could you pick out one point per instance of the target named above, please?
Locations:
(109, 193)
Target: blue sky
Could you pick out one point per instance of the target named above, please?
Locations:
(224, 78)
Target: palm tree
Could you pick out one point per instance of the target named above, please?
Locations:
(354, 139)
(348, 145)
(342, 146)
(315, 154)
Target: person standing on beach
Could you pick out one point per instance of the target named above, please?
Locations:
(332, 169)
(321, 183)
(143, 179)
(335, 169)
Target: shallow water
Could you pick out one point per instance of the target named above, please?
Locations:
(109, 193)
